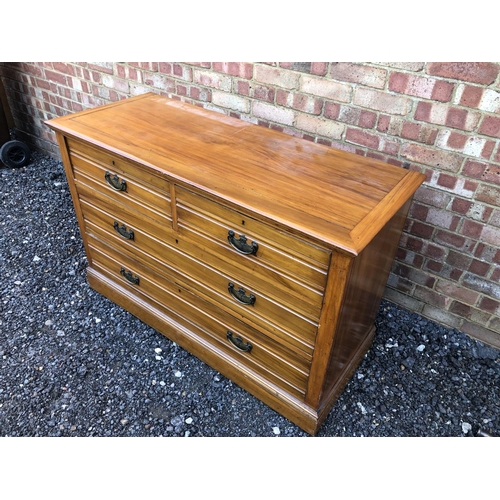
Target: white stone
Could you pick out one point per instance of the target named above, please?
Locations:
(36, 258)
(178, 373)
(189, 420)
(158, 358)
(466, 427)
(362, 408)
(421, 347)
(276, 430)
(158, 350)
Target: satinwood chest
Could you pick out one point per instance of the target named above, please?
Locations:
(262, 254)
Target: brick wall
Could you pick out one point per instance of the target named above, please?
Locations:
(442, 119)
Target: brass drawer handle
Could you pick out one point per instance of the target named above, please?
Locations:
(129, 276)
(240, 295)
(241, 244)
(238, 342)
(122, 231)
(115, 182)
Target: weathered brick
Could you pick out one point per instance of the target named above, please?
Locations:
(488, 194)
(240, 69)
(481, 285)
(442, 114)
(419, 86)
(273, 113)
(491, 235)
(301, 102)
(360, 74)
(160, 81)
(481, 333)
(275, 76)
(483, 73)
(319, 126)
(432, 157)
(213, 80)
(231, 101)
(325, 88)
(441, 316)
(421, 230)
(454, 290)
(332, 110)
(418, 211)
(104, 67)
(490, 101)
(263, 93)
(381, 101)
(115, 83)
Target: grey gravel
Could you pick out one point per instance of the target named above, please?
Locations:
(72, 363)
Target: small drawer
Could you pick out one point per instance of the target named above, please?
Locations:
(154, 220)
(275, 248)
(118, 165)
(236, 339)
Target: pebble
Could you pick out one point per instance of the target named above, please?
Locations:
(178, 374)
(276, 430)
(466, 427)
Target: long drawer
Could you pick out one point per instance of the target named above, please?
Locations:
(238, 340)
(265, 313)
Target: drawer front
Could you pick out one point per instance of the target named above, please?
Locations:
(284, 325)
(276, 249)
(122, 187)
(235, 338)
(116, 164)
(154, 221)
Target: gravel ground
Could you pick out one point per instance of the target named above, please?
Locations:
(74, 364)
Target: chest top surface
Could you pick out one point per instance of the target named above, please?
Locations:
(334, 197)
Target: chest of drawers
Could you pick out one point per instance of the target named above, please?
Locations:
(264, 255)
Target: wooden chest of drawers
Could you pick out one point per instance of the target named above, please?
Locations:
(264, 255)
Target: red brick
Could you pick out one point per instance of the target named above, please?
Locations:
(383, 123)
(367, 119)
(456, 140)
(483, 73)
(450, 239)
(243, 87)
(479, 267)
(414, 244)
(319, 68)
(456, 118)
(460, 205)
(471, 229)
(474, 169)
(490, 305)
(422, 230)
(433, 265)
(490, 126)
(471, 96)
(491, 235)
(448, 181)
(457, 292)
(56, 77)
(362, 138)
(332, 110)
(419, 212)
